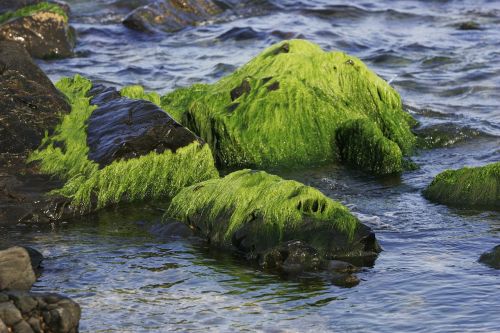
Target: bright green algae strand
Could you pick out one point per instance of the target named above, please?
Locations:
(30, 10)
(153, 176)
(284, 208)
(137, 92)
(293, 99)
(467, 187)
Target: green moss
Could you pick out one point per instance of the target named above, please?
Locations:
(258, 208)
(362, 144)
(30, 10)
(467, 187)
(284, 107)
(137, 92)
(152, 176)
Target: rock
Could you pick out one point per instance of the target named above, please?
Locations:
(171, 15)
(60, 315)
(344, 280)
(468, 25)
(253, 212)
(285, 108)
(243, 33)
(13, 5)
(36, 257)
(41, 28)
(16, 272)
(31, 103)
(341, 266)
(445, 135)
(491, 258)
(467, 187)
(3, 327)
(291, 257)
(124, 137)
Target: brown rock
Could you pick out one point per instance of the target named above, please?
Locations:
(16, 272)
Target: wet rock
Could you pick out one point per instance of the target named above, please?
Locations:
(341, 266)
(36, 258)
(445, 135)
(16, 272)
(477, 187)
(344, 280)
(491, 258)
(171, 15)
(255, 213)
(42, 29)
(244, 33)
(468, 25)
(13, 5)
(33, 312)
(31, 104)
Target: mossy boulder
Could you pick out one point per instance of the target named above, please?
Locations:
(113, 149)
(252, 212)
(467, 187)
(171, 15)
(287, 105)
(42, 28)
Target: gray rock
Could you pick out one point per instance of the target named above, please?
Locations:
(23, 327)
(16, 272)
(3, 327)
(9, 314)
(491, 258)
(341, 266)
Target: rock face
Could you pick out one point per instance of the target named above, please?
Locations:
(253, 212)
(101, 149)
(16, 271)
(171, 15)
(29, 101)
(491, 258)
(32, 312)
(41, 28)
(287, 106)
(467, 187)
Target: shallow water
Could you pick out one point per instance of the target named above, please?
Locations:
(129, 279)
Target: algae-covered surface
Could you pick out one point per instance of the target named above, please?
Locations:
(30, 10)
(129, 276)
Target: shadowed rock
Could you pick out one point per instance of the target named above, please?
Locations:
(491, 258)
(171, 15)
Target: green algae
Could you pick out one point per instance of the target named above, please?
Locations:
(265, 209)
(284, 107)
(153, 176)
(467, 187)
(30, 10)
(137, 92)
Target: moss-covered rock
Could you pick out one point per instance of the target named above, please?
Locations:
(285, 107)
(253, 212)
(467, 187)
(122, 172)
(41, 28)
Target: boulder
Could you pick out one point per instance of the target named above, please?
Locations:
(34, 312)
(171, 15)
(101, 149)
(42, 28)
(467, 187)
(16, 271)
(491, 258)
(254, 213)
(295, 105)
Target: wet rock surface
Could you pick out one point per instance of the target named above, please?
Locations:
(44, 33)
(32, 312)
(16, 271)
(124, 128)
(171, 15)
(491, 258)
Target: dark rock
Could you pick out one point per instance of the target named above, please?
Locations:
(243, 88)
(491, 258)
(16, 272)
(171, 15)
(29, 102)
(35, 314)
(123, 128)
(341, 266)
(244, 33)
(468, 25)
(44, 34)
(291, 257)
(35, 256)
(344, 280)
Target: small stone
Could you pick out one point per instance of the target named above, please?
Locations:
(16, 272)
(345, 280)
(341, 266)
(35, 324)
(24, 303)
(491, 258)
(3, 327)
(10, 314)
(23, 327)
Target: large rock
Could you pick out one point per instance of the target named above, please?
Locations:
(41, 28)
(29, 102)
(112, 149)
(467, 187)
(287, 106)
(491, 258)
(171, 15)
(16, 271)
(33, 312)
(253, 212)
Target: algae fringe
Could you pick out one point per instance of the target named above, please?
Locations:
(30, 10)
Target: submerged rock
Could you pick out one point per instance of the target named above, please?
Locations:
(445, 135)
(467, 187)
(113, 149)
(41, 28)
(287, 106)
(35, 312)
(16, 271)
(253, 212)
(491, 258)
(171, 15)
